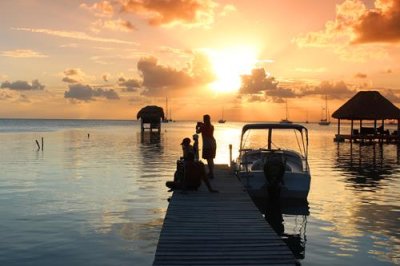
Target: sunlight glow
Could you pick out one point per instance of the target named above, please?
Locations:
(229, 64)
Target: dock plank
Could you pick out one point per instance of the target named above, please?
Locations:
(225, 228)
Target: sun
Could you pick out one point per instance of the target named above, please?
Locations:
(229, 64)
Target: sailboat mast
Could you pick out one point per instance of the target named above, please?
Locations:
(166, 108)
(326, 107)
(286, 111)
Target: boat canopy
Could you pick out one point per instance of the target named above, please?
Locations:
(273, 126)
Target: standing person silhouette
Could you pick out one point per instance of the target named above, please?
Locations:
(209, 144)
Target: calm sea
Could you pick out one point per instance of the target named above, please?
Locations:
(99, 199)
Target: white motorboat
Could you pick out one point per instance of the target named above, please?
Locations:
(261, 143)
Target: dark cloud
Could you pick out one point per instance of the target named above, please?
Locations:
(159, 80)
(72, 75)
(280, 93)
(72, 72)
(360, 75)
(381, 24)
(257, 82)
(130, 85)
(69, 80)
(20, 85)
(338, 90)
(160, 12)
(86, 93)
(256, 98)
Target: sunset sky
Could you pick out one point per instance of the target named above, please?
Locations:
(108, 59)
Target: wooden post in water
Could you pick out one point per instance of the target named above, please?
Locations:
(230, 155)
(42, 143)
(38, 145)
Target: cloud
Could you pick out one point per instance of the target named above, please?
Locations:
(69, 80)
(381, 24)
(114, 25)
(22, 53)
(355, 24)
(334, 90)
(20, 85)
(73, 72)
(74, 35)
(159, 80)
(86, 93)
(257, 82)
(130, 85)
(73, 75)
(166, 12)
(227, 10)
(100, 9)
(360, 76)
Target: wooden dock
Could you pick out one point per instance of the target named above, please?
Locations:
(225, 228)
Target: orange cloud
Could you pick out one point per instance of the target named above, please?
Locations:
(355, 24)
(381, 24)
(74, 35)
(100, 9)
(22, 53)
(166, 12)
(113, 24)
(159, 80)
(360, 75)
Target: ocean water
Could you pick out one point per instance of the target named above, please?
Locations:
(100, 199)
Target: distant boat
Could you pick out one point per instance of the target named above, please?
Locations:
(286, 119)
(325, 120)
(222, 120)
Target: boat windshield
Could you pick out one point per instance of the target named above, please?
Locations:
(285, 139)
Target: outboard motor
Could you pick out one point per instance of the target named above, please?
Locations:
(274, 169)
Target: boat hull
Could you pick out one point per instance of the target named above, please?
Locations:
(296, 185)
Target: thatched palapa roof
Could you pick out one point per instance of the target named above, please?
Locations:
(367, 105)
(151, 114)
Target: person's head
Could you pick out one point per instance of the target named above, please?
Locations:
(207, 119)
(185, 142)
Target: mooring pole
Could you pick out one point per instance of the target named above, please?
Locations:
(42, 143)
(230, 154)
(38, 145)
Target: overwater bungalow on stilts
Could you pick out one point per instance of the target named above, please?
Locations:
(368, 107)
(150, 118)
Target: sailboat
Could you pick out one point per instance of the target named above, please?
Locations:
(166, 120)
(222, 120)
(286, 119)
(325, 121)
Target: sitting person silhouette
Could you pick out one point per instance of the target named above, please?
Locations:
(194, 173)
(186, 148)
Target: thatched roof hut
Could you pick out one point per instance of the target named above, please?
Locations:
(150, 114)
(367, 105)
